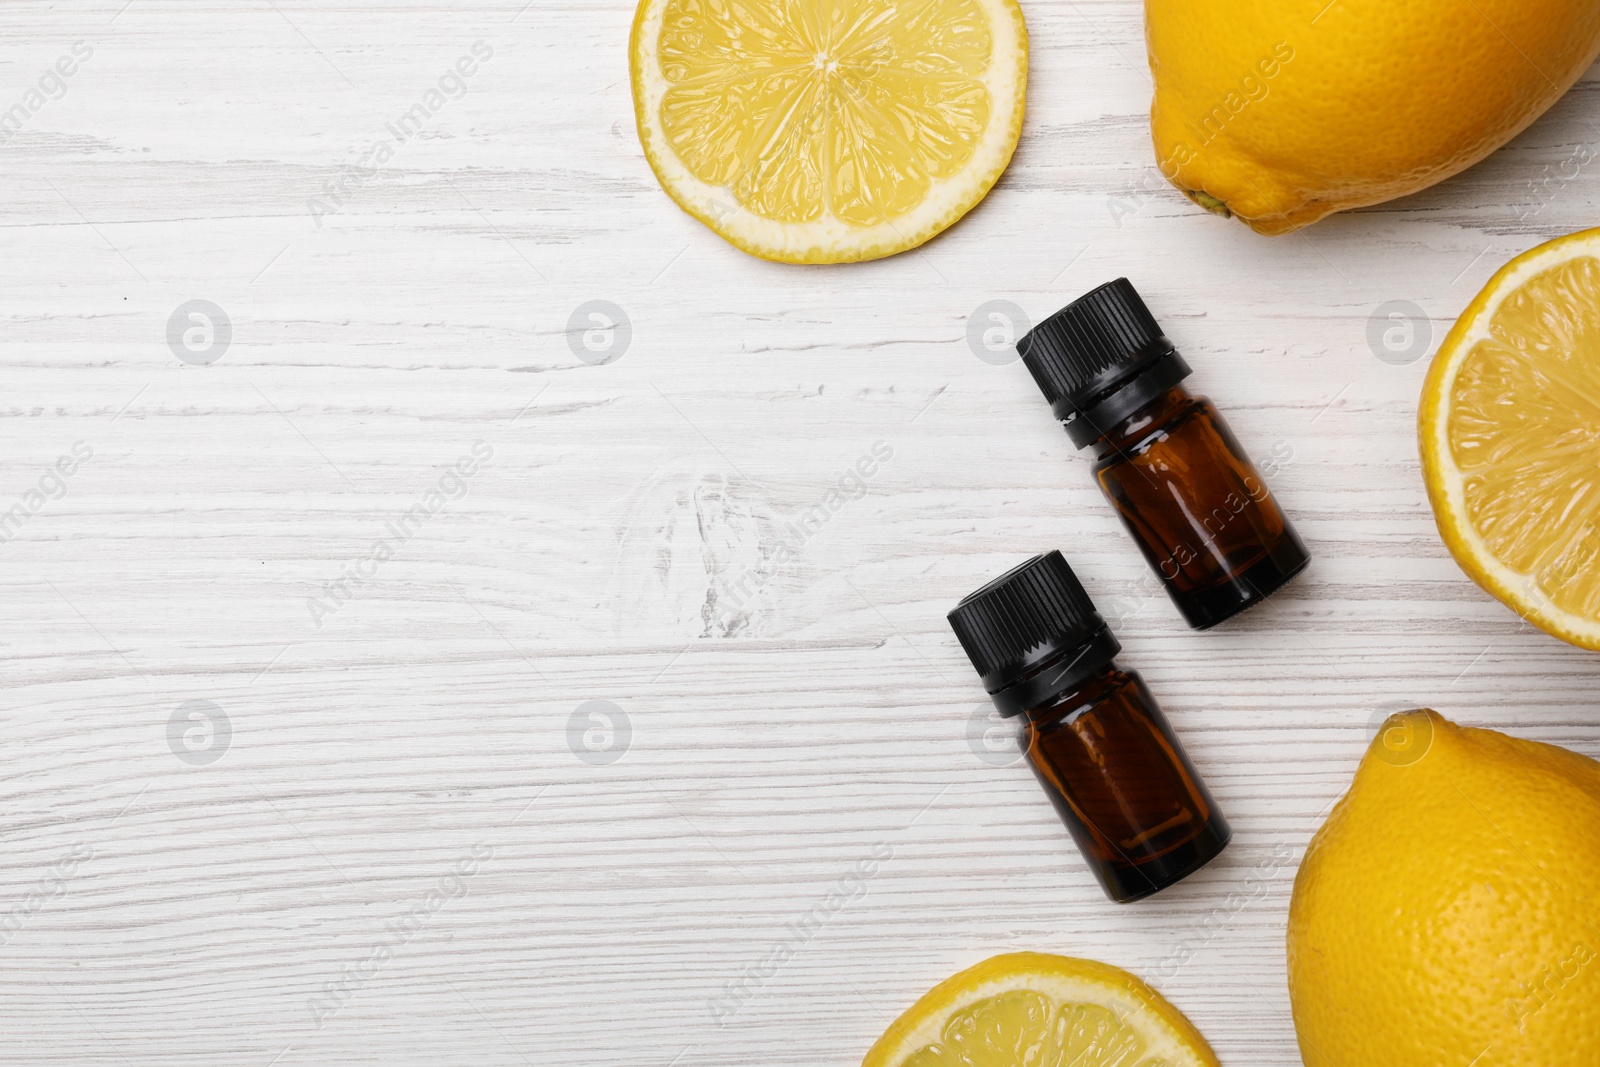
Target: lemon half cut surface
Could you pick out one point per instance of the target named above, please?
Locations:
(828, 131)
(1028, 1009)
(1510, 438)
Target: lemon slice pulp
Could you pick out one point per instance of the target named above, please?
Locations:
(1510, 435)
(825, 132)
(1032, 1010)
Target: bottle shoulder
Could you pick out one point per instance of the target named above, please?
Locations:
(1149, 425)
(1099, 688)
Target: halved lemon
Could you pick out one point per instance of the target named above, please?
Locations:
(1510, 428)
(828, 131)
(1027, 1009)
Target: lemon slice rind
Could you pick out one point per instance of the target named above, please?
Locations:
(830, 239)
(1169, 1039)
(1446, 482)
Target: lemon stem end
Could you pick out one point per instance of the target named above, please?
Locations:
(1210, 203)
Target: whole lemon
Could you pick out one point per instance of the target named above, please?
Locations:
(1284, 111)
(1446, 913)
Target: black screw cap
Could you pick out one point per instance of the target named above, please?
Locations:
(1092, 348)
(1024, 618)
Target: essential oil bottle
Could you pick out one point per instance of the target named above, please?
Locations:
(1093, 734)
(1199, 510)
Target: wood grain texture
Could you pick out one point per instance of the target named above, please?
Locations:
(416, 740)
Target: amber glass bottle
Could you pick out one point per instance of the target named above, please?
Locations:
(1199, 510)
(1093, 734)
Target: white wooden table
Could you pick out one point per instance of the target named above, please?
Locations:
(392, 831)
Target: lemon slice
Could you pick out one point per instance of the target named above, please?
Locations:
(828, 132)
(1510, 429)
(1031, 1010)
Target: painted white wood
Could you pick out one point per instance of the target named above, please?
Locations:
(811, 735)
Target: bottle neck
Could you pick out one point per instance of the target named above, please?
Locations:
(1057, 675)
(1090, 691)
(1159, 411)
(1087, 415)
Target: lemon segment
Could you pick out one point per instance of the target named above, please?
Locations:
(1032, 1010)
(828, 132)
(1510, 433)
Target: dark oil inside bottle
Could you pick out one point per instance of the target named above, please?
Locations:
(1198, 509)
(1123, 785)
